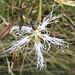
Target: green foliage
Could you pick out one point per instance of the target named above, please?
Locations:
(59, 63)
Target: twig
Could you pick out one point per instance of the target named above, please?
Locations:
(32, 8)
(7, 29)
(69, 20)
(4, 21)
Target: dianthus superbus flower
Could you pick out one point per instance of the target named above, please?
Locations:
(41, 41)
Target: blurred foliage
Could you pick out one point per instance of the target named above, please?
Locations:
(58, 62)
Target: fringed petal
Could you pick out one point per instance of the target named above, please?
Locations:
(26, 29)
(40, 60)
(19, 44)
(53, 40)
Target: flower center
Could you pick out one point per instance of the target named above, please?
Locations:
(36, 33)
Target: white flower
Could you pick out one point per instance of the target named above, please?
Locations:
(42, 41)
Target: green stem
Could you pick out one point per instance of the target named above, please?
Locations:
(31, 9)
(40, 11)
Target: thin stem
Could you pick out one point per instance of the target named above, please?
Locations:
(40, 11)
(22, 64)
(9, 68)
(30, 11)
(47, 4)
